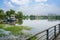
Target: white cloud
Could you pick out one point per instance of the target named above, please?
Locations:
(41, 0)
(8, 4)
(34, 9)
(40, 9)
(20, 2)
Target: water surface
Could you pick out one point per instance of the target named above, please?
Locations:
(39, 25)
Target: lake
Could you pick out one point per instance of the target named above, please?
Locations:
(39, 25)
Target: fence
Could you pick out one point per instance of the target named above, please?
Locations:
(49, 34)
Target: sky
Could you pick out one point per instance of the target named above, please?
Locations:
(32, 7)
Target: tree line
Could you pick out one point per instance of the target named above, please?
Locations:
(18, 15)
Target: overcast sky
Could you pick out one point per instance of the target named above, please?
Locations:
(32, 7)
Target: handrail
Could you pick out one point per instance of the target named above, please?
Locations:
(47, 32)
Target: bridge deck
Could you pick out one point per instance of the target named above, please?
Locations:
(58, 37)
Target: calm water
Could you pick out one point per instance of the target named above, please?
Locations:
(39, 25)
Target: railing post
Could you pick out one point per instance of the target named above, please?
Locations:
(47, 34)
(59, 28)
(54, 31)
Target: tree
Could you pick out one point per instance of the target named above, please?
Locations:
(2, 14)
(19, 16)
(32, 17)
(10, 12)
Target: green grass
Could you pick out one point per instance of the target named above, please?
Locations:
(15, 30)
(2, 26)
(34, 38)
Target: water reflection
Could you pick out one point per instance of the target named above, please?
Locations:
(39, 25)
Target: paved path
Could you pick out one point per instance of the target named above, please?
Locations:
(58, 38)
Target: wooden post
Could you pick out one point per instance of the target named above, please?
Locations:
(47, 34)
(59, 28)
(54, 31)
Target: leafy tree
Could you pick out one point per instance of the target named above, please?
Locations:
(32, 17)
(2, 14)
(8, 13)
(19, 16)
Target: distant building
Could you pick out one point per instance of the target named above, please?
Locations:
(10, 20)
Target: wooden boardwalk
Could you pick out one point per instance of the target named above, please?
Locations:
(58, 37)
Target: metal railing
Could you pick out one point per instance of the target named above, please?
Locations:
(48, 34)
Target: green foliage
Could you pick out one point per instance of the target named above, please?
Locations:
(32, 17)
(26, 17)
(2, 26)
(27, 28)
(15, 30)
(1, 33)
(2, 14)
(58, 17)
(20, 21)
(10, 12)
(19, 16)
(34, 38)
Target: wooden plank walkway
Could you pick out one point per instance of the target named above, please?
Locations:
(58, 37)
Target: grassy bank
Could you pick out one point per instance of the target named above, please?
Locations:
(13, 29)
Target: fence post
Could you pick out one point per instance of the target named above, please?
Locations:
(59, 28)
(54, 31)
(47, 34)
